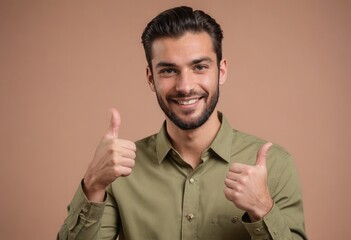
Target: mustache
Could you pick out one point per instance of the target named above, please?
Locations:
(188, 95)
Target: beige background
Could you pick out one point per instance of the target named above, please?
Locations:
(65, 63)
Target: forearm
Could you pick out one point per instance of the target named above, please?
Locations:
(84, 219)
(274, 226)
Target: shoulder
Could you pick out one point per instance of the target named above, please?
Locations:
(147, 141)
(245, 144)
(146, 147)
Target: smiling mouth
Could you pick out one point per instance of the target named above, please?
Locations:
(187, 102)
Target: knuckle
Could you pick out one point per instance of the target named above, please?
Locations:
(249, 171)
(110, 149)
(232, 167)
(226, 182)
(114, 160)
(128, 171)
(238, 191)
(243, 180)
(227, 193)
(117, 171)
(133, 146)
(132, 163)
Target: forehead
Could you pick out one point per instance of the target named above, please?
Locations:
(182, 49)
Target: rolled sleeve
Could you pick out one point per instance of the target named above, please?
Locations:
(82, 217)
(81, 205)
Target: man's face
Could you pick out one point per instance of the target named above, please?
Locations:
(186, 78)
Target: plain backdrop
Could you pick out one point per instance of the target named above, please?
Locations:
(64, 63)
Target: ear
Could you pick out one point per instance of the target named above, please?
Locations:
(150, 79)
(223, 69)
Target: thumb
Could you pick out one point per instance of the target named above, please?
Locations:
(262, 154)
(114, 124)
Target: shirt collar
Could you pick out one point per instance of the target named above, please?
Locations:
(221, 145)
(163, 146)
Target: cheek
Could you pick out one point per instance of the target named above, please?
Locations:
(209, 83)
(164, 86)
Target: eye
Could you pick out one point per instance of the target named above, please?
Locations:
(200, 68)
(167, 72)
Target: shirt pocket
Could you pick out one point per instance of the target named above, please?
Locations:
(226, 226)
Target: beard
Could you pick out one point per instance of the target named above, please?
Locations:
(194, 123)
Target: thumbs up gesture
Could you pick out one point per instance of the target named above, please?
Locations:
(247, 188)
(113, 158)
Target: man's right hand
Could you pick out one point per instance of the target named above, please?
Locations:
(113, 158)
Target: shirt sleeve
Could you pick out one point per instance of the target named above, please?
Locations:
(286, 218)
(86, 220)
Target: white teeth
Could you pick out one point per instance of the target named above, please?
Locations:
(188, 102)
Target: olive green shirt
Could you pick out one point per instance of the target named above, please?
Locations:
(165, 199)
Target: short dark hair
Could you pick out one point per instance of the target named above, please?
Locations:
(175, 22)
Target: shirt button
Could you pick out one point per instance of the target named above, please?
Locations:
(235, 219)
(191, 180)
(257, 230)
(84, 210)
(190, 216)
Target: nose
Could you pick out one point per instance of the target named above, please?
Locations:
(185, 83)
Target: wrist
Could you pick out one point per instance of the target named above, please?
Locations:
(93, 194)
(260, 212)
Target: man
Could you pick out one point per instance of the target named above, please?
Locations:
(197, 178)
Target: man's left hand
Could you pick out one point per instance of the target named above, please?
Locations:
(247, 187)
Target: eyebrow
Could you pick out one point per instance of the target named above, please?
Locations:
(165, 64)
(195, 61)
(200, 60)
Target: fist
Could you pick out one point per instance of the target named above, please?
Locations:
(247, 187)
(113, 158)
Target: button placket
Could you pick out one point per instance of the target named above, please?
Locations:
(190, 208)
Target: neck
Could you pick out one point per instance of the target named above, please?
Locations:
(190, 144)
